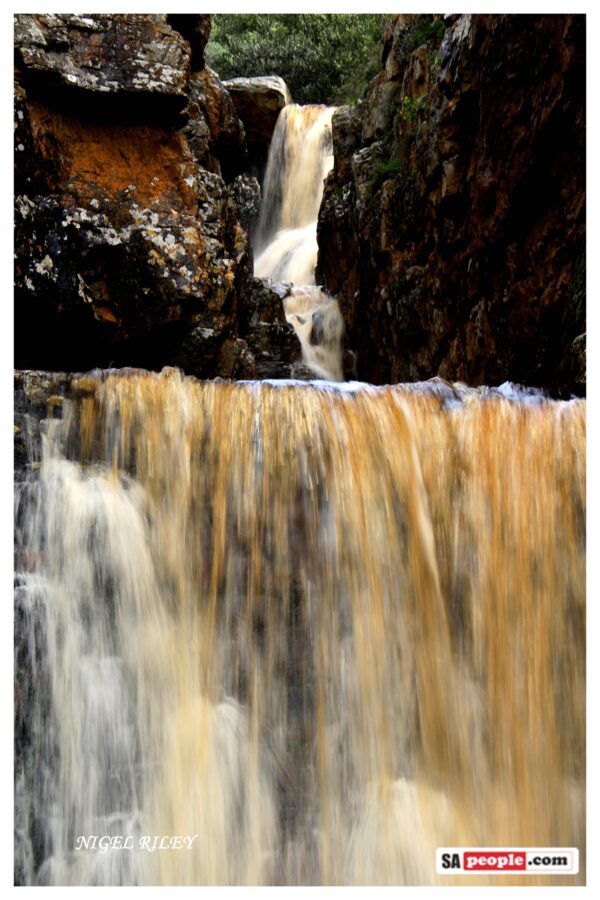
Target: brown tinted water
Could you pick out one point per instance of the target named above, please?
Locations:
(325, 630)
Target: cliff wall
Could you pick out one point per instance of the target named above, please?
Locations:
(452, 227)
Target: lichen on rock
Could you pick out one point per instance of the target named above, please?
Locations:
(133, 210)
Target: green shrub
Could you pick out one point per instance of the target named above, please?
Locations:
(323, 58)
(410, 106)
(387, 168)
(419, 29)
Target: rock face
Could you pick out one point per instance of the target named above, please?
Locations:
(195, 28)
(452, 226)
(215, 133)
(131, 54)
(132, 207)
(258, 102)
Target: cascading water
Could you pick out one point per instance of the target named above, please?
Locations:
(300, 157)
(300, 634)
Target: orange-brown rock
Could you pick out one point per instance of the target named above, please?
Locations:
(131, 246)
(101, 161)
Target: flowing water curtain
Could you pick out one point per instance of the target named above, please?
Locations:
(300, 157)
(328, 631)
(319, 326)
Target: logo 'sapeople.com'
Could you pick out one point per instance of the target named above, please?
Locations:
(502, 861)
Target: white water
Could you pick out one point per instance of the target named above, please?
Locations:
(319, 325)
(300, 157)
(120, 718)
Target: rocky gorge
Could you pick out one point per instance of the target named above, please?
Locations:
(452, 228)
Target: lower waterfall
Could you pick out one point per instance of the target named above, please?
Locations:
(297, 634)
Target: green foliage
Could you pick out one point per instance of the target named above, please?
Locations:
(425, 29)
(418, 30)
(323, 58)
(434, 61)
(388, 168)
(410, 106)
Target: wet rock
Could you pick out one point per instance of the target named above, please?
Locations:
(452, 226)
(268, 336)
(38, 397)
(245, 190)
(258, 102)
(301, 372)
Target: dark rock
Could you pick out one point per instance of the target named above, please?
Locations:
(269, 337)
(134, 246)
(38, 397)
(258, 102)
(573, 370)
(195, 28)
(215, 133)
(451, 231)
(346, 132)
(131, 248)
(245, 190)
(302, 372)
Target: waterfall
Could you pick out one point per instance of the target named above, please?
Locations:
(300, 158)
(302, 634)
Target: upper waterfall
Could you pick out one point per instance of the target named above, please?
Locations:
(300, 157)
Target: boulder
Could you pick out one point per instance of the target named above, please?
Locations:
(215, 133)
(245, 190)
(270, 339)
(105, 54)
(195, 28)
(258, 102)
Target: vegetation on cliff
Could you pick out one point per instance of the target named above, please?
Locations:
(323, 58)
